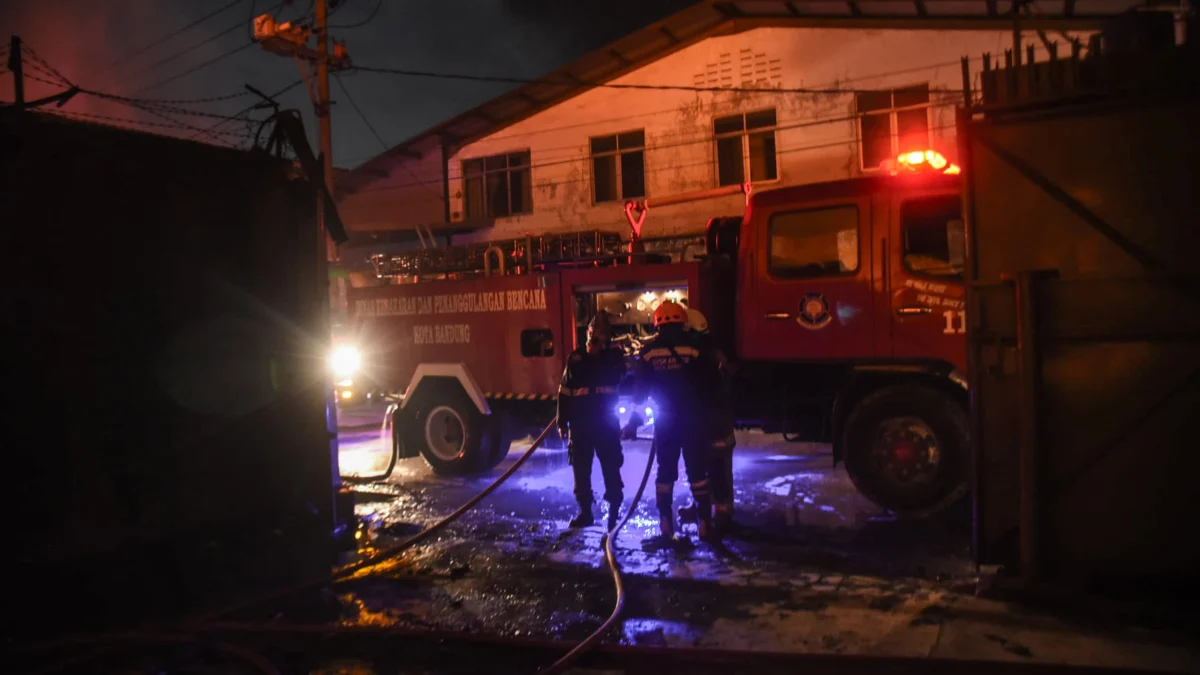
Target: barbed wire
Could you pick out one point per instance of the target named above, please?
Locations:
(127, 120)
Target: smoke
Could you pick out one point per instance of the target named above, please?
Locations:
(89, 43)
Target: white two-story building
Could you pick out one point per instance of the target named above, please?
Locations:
(766, 92)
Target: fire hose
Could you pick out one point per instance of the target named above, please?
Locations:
(610, 557)
(388, 553)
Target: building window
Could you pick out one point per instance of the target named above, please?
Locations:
(619, 166)
(891, 122)
(817, 242)
(746, 147)
(498, 186)
(536, 343)
(932, 229)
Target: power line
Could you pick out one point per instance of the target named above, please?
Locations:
(360, 24)
(185, 101)
(164, 38)
(574, 148)
(163, 61)
(611, 85)
(665, 146)
(361, 115)
(379, 138)
(193, 69)
(676, 167)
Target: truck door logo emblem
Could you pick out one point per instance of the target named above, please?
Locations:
(814, 312)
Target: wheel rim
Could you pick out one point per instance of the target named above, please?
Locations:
(445, 433)
(906, 452)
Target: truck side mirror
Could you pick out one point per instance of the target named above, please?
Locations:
(956, 239)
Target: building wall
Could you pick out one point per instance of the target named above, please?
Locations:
(410, 194)
(816, 139)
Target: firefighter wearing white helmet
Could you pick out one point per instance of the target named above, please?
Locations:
(675, 371)
(720, 433)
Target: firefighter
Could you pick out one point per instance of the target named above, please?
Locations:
(720, 432)
(675, 371)
(587, 419)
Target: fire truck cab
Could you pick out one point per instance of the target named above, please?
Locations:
(849, 328)
(841, 304)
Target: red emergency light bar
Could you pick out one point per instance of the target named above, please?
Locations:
(922, 161)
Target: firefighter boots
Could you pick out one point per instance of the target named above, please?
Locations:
(687, 514)
(614, 510)
(585, 517)
(666, 519)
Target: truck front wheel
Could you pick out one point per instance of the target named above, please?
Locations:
(907, 449)
(449, 433)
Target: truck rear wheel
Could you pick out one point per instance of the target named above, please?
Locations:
(907, 449)
(449, 432)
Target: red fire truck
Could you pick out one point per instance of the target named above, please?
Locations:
(840, 303)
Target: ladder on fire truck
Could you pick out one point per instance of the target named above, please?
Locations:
(525, 254)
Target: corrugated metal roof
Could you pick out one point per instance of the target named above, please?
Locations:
(713, 17)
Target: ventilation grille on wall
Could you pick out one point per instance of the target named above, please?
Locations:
(754, 70)
(759, 71)
(719, 74)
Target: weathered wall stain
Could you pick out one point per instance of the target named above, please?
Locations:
(816, 139)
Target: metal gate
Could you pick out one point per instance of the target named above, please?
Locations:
(1084, 271)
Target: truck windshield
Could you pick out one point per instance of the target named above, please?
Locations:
(932, 231)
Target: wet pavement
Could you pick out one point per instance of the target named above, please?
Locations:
(812, 568)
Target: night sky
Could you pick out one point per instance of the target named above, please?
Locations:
(99, 45)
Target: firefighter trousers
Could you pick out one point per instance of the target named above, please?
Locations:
(720, 480)
(675, 439)
(604, 445)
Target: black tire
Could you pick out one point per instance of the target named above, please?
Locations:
(449, 430)
(908, 419)
(498, 439)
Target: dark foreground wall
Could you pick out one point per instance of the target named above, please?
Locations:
(164, 416)
(1086, 380)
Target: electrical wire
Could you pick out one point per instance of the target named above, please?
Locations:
(379, 138)
(360, 24)
(613, 85)
(166, 37)
(664, 146)
(195, 68)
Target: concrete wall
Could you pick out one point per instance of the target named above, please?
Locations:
(817, 139)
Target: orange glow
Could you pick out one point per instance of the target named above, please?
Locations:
(929, 159)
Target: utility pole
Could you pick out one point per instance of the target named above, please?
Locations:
(15, 65)
(288, 39)
(291, 40)
(323, 102)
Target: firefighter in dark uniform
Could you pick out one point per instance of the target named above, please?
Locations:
(720, 433)
(676, 372)
(587, 419)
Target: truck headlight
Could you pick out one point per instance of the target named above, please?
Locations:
(345, 361)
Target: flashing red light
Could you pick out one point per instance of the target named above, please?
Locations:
(924, 161)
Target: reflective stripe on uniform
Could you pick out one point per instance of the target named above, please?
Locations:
(567, 391)
(662, 352)
(606, 390)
